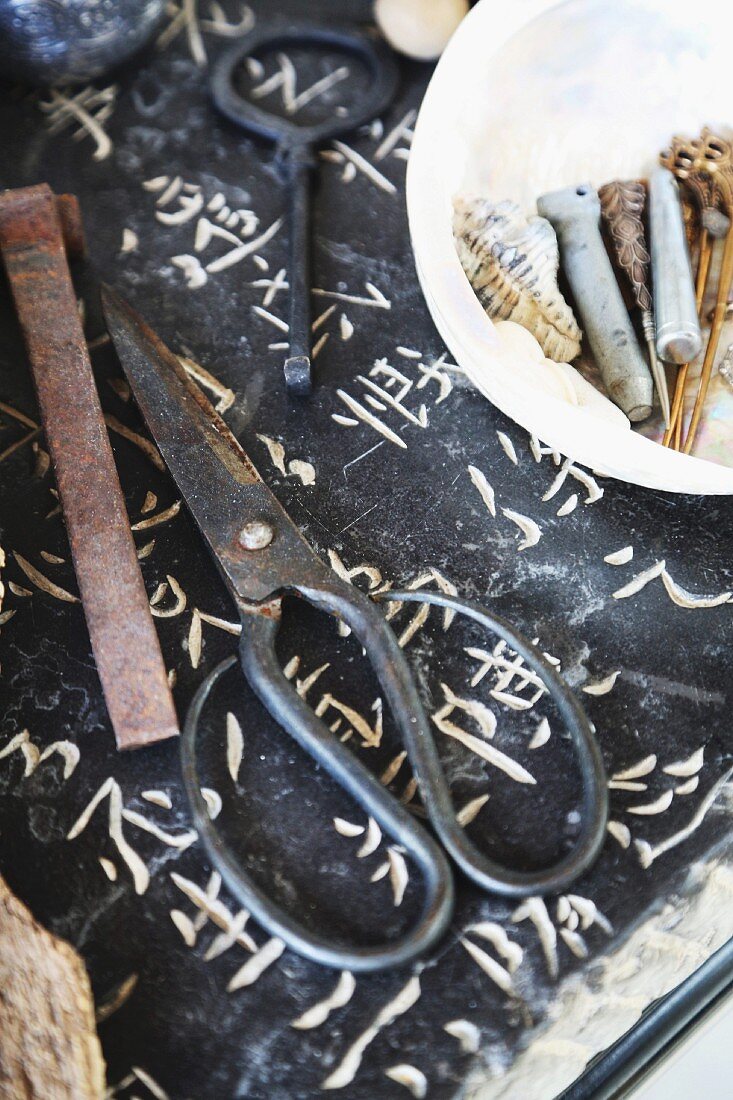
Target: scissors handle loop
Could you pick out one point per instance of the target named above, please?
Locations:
(365, 46)
(485, 872)
(263, 671)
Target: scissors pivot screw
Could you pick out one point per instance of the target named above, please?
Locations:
(256, 535)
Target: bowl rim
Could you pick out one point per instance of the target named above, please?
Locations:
(468, 332)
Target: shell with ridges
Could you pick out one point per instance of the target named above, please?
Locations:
(512, 263)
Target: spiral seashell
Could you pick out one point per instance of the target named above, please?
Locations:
(512, 264)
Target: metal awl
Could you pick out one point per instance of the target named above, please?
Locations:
(679, 338)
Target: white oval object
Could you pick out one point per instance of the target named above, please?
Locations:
(419, 28)
(533, 96)
(520, 341)
(539, 375)
(589, 398)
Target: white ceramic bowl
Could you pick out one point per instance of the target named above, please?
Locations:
(530, 96)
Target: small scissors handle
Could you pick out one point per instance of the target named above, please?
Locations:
(262, 669)
(365, 46)
(296, 146)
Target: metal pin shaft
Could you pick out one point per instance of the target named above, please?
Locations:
(679, 338)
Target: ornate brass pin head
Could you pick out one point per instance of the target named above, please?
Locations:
(705, 164)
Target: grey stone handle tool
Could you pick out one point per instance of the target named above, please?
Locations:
(575, 214)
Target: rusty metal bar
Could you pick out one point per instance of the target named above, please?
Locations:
(36, 230)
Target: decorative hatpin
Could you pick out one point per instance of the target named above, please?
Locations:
(701, 165)
(705, 164)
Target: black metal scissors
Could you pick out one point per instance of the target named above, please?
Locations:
(296, 147)
(262, 555)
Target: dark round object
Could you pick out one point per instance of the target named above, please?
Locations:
(72, 41)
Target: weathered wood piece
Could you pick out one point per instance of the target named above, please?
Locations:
(49, 1048)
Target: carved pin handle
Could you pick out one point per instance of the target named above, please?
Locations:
(622, 208)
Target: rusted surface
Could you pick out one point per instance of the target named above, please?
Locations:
(35, 227)
(215, 477)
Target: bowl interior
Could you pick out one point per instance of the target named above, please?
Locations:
(542, 96)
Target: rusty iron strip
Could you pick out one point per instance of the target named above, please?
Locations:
(37, 229)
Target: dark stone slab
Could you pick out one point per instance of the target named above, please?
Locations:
(401, 510)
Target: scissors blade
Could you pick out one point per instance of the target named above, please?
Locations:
(217, 480)
(180, 417)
